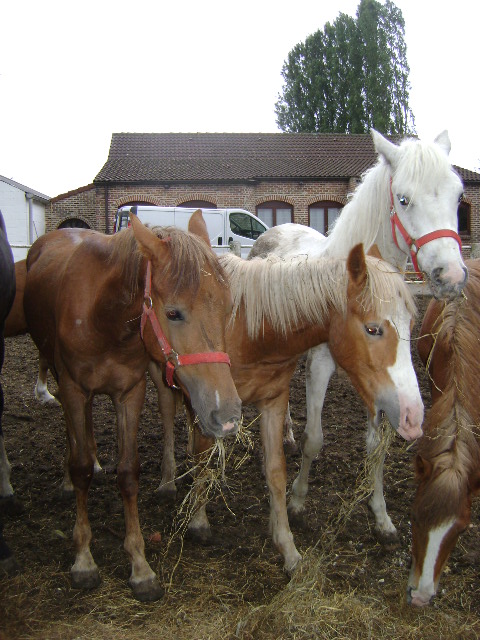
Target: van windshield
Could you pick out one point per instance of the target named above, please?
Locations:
(121, 221)
(244, 225)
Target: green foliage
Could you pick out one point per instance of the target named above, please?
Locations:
(350, 77)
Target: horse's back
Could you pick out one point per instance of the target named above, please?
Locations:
(289, 239)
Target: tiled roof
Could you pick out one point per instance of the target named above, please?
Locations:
(219, 157)
(36, 194)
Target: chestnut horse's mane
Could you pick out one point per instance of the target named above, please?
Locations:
(287, 292)
(452, 428)
(191, 259)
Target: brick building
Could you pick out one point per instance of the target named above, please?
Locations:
(281, 177)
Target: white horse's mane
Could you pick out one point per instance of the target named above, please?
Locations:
(286, 293)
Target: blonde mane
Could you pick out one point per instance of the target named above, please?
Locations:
(287, 293)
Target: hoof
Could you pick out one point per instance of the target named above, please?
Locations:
(202, 535)
(389, 540)
(9, 566)
(166, 493)
(86, 579)
(296, 517)
(148, 590)
(293, 566)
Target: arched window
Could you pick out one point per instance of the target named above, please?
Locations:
(463, 215)
(198, 204)
(275, 212)
(322, 215)
(73, 223)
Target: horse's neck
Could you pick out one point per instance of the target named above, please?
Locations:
(271, 347)
(366, 219)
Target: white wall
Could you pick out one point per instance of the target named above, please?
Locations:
(15, 209)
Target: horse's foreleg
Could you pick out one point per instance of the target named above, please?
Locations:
(42, 393)
(198, 525)
(271, 425)
(143, 580)
(78, 415)
(384, 526)
(167, 402)
(319, 368)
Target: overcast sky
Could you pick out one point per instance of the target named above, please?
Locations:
(71, 74)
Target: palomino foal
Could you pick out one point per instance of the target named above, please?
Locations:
(360, 306)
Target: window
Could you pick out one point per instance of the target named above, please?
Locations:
(243, 225)
(322, 215)
(274, 213)
(463, 215)
(73, 223)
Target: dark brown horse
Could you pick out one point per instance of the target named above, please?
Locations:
(7, 295)
(448, 459)
(88, 298)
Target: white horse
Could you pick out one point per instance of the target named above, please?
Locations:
(406, 205)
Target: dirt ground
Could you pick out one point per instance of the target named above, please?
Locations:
(240, 569)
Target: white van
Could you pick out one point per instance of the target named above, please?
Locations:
(224, 225)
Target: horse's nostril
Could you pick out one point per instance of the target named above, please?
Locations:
(436, 275)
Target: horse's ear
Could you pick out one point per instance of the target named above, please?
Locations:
(149, 244)
(374, 251)
(423, 468)
(384, 147)
(443, 141)
(197, 225)
(357, 266)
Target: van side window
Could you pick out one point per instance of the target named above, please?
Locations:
(243, 225)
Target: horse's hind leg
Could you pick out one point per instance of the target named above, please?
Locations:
(42, 393)
(143, 580)
(199, 446)
(78, 415)
(167, 404)
(319, 369)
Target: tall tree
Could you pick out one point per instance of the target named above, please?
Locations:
(350, 76)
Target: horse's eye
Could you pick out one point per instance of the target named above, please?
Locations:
(460, 197)
(174, 315)
(404, 201)
(373, 330)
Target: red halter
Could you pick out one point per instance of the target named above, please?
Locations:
(415, 245)
(172, 359)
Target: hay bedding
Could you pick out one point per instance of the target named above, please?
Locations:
(349, 587)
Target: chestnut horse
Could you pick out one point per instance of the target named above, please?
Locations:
(99, 308)
(7, 295)
(448, 459)
(407, 205)
(360, 306)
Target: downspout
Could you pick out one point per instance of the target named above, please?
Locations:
(107, 221)
(30, 239)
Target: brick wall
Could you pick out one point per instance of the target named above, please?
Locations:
(81, 204)
(89, 203)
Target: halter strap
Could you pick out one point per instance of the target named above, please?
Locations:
(172, 358)
(415, 244)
